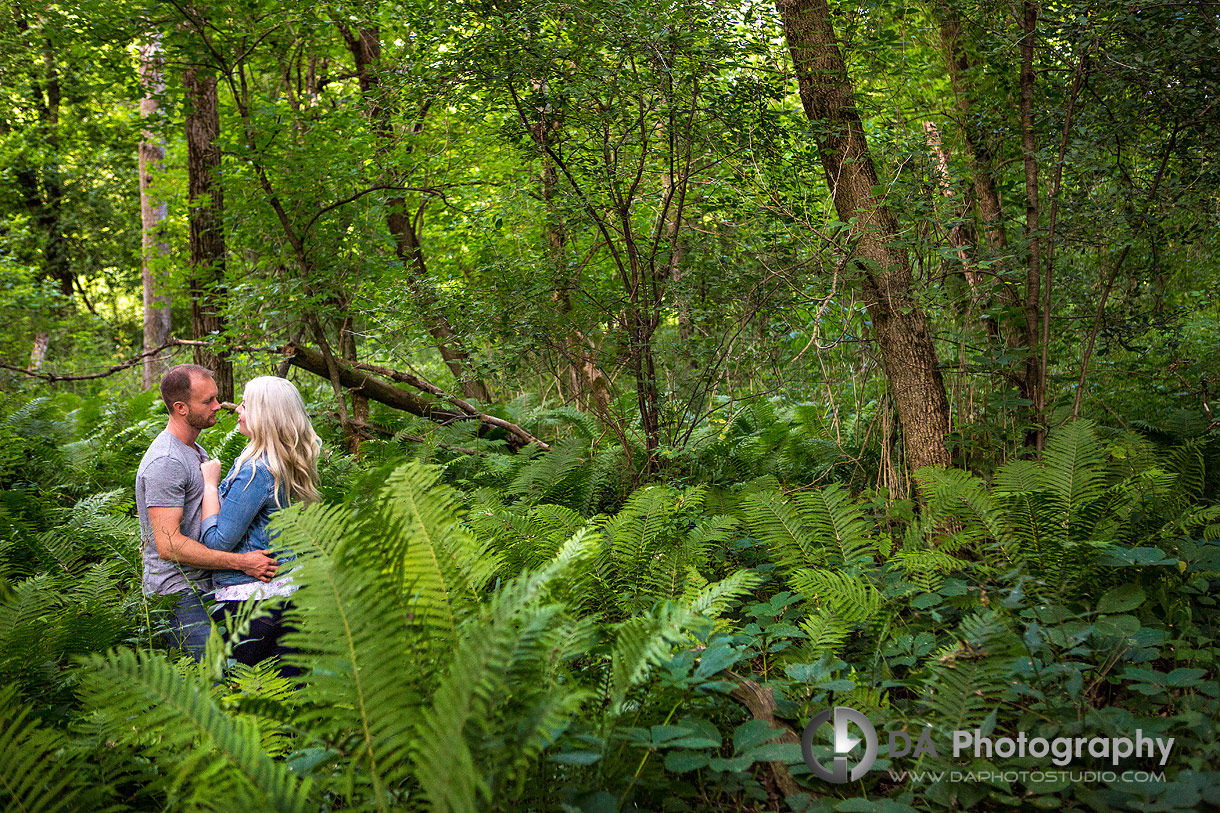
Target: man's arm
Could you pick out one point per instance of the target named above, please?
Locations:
(172, 546)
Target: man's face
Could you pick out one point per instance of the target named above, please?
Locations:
(202, 404)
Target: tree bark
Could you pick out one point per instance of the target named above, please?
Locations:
(38, 353)
(206, 225)
(900, 325)
(982, 163)
(1035, 365)
(152, 214)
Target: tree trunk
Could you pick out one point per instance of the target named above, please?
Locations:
(1035, 365)
(578, 362)
(365, 47)
(982, 164)
(1019, 332)
(38, 353)
(957, 234)
(206, 224)
(152, 214)
(45, 205)
(900, 325)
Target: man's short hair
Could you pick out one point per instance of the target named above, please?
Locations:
(176, 383)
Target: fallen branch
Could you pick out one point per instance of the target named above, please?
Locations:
(361, 377)
(761, 703)
(131, 362)
(419, 383)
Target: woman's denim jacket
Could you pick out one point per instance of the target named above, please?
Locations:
(247, 501)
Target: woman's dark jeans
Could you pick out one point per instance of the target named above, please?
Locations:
(262, 639)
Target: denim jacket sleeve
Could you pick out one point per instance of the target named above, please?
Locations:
(250, 489)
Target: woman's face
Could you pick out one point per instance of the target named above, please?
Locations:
(241, 419)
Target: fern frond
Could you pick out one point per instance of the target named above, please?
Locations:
(353, 633)
(35, 775)
(438, 562)
(837, 522)
(781, 528)
(713, 600)
(956, 501)
(852, 598)
(641, 642)
(501, 658)
(826, 632)
(149, 699)
(964, 683)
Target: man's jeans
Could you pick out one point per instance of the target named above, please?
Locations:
(190, 626)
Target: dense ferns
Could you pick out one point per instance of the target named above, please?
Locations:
(509, 648)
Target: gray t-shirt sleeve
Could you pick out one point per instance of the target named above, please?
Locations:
(165, 481)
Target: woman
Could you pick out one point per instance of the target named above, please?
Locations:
(279, 466)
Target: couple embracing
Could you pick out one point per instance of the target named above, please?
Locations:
(205, 539)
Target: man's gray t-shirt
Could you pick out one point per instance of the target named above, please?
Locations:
(169, 476)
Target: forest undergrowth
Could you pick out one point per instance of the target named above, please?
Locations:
(535, 631)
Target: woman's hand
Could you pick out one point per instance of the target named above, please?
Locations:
(211, 473)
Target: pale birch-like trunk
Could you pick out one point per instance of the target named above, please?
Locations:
(153, 211)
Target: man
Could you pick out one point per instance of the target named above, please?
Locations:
(169, 499)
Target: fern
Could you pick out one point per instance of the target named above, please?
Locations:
(826, 633)
(504, 657)
(965, 682)
(437, 562)
(353, 635)
(958, 503)
(851, 598)
(645, 640)
(36, 772)
(167, 713)
(781, 528)
(837, 521)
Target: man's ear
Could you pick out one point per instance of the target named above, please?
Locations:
(185, 408)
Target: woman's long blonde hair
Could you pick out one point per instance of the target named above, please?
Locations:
(281, 437)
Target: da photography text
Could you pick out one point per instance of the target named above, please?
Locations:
(851, 762)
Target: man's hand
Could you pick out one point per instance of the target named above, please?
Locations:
(211, 472)
(258, 563)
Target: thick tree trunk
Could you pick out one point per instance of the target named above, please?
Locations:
(206, 223)
(365, 47)
(900, 325)
(152, 214)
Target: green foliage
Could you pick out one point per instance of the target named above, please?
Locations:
(497, 648)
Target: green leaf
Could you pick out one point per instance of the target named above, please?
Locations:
(683, 761)
(1184, 677)
(732, 765)
(788, 752)
(716, 658)
(752, 733)
(1135, 557)
(1121, 599)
